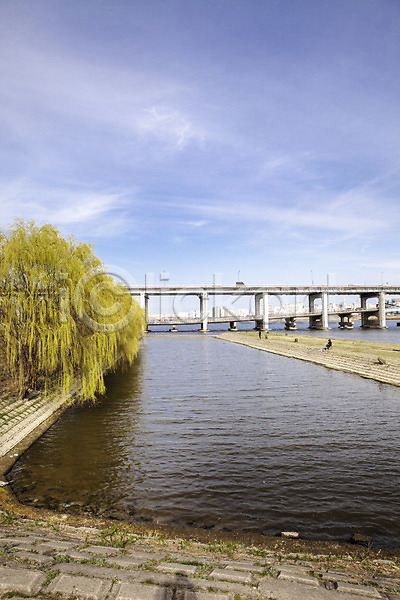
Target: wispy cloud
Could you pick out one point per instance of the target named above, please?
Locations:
(227, 136)
(168, 126)
(103, 213)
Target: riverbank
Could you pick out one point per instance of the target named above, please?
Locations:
(371, 360)
(95, 560)
(288, 565)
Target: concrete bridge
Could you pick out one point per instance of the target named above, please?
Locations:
(317, 315)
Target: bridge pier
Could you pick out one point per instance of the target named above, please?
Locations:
(203, 311)
(232, 326)
(261, 310)
(345, 321)
(144, 305)
(373, 318)
(319, 320)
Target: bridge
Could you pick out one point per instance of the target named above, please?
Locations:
(317, 315)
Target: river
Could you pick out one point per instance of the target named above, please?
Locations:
(207, 433)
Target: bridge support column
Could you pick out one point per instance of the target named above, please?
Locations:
(374, 317)
(261, 310)
(141, 301)
(364, 316)
(144, 305)
(382, 313)
(345, 321)
(146, 310)
(325, 323)
(318, 320)
(232, 326)
(203, 311)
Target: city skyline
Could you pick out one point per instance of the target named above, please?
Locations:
(257, 140)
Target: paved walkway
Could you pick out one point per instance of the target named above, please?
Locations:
(80, 562)
(385, 373)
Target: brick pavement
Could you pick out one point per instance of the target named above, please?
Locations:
(42, 561)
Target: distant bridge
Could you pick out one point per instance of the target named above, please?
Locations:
(317, 315)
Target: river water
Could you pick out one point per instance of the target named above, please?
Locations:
(207, 433)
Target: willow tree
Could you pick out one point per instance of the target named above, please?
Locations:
(64, 322)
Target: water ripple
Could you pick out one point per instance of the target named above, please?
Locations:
(218, 435)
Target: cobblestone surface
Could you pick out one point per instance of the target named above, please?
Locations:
(71, 563)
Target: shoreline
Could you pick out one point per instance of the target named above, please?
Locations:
(9, 502)
(310, 350)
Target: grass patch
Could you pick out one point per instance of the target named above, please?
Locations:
(7, 516)
(340, 347)
(229, 548)
(50, 575)
(115, 537)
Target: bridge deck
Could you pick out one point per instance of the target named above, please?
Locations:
(243, 290)
(176, 320)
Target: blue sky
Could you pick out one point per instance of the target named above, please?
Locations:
(208, 136)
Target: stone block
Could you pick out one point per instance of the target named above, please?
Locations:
(148, 556)
(243, 566)
(194, 595)
(290, 534)
(75, 555)
(102, 550)
(22, 581)
(177, 568)
(34, 558)
(389, 582)
(29, 548)
(90, 570)
(14, 541)
(338, 577)
(360, 590)
(231, 575)
(298, 576)
(137, 591)
(56, 545)
(84, 587)
(290, 590)
(125, 561)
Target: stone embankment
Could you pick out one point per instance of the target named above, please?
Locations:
(368, 367)
(21, 417)
(46, 560)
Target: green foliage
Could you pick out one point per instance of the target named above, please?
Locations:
(225, 548)
(50, 575)
(115, 537)
(63, 319)
(7, 516)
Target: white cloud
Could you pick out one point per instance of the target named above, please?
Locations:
(199, 223)
(49, 93)
(168, 126)
(103, 213)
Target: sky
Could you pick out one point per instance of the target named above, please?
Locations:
(215, 140)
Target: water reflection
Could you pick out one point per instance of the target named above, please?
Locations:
(214, 434)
